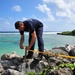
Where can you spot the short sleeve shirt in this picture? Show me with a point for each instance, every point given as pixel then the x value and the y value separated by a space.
pixel 31 25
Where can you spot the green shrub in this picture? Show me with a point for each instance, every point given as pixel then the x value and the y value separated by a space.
pixel 31 73
pixel 73 32
pixel 65 33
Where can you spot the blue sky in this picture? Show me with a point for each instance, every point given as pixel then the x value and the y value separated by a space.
pixel 56 15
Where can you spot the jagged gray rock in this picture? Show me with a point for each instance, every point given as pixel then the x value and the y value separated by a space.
pixel 12 64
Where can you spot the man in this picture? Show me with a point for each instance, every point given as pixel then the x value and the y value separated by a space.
pixel 35 29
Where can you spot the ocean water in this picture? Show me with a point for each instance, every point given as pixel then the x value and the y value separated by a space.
pixel 9 42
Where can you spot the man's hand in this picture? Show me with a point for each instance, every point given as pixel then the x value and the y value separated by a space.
pixel 27 47
pixel 22 47
pixel 32 40
pixel 21 41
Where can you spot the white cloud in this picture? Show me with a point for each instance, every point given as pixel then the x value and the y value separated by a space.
pixel 61 14
pixel 7 23
pixel 61 4
pixel 68 1
pixel 17 8
pixel 64 13
pixel 43 8
pixel 64 8
pixel 48 1
pixel 72 6
pixel 24 18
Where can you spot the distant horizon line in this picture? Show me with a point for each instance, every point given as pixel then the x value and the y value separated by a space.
pixel 18 31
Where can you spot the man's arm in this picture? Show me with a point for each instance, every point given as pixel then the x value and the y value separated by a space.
pixel 32 41
pixel 22 41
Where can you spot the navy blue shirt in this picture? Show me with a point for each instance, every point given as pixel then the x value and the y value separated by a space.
pixel 31 25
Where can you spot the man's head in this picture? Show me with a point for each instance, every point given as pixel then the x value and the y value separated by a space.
pixel 19 25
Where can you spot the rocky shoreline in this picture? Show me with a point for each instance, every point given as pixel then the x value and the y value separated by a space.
pixel 12 64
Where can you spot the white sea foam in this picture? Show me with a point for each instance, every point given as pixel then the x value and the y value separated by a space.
pixel 50 32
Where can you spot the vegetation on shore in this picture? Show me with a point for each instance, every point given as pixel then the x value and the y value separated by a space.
pixel 60 66
pixel 67 33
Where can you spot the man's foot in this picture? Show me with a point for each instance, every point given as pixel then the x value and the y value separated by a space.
pixel 38 58
pixel 28 57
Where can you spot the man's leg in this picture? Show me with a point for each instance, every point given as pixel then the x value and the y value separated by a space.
pixel 30 54
pixel 39 33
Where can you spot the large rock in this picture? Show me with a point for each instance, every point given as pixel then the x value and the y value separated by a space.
pixel 10 72
pixel 1 68
pixel 72 52
pixel 10 56
pixel 69 47
pixel 14 65
pixel 63 71
pixel 59 51
pixel 7 64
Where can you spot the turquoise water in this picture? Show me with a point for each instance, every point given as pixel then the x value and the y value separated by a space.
pixel 9 42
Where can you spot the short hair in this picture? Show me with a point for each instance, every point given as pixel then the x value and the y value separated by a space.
pixel 17 24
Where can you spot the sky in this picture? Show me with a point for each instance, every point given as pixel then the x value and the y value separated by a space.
pixel 56 15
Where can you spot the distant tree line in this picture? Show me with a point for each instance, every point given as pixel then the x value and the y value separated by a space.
pixel 67 33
